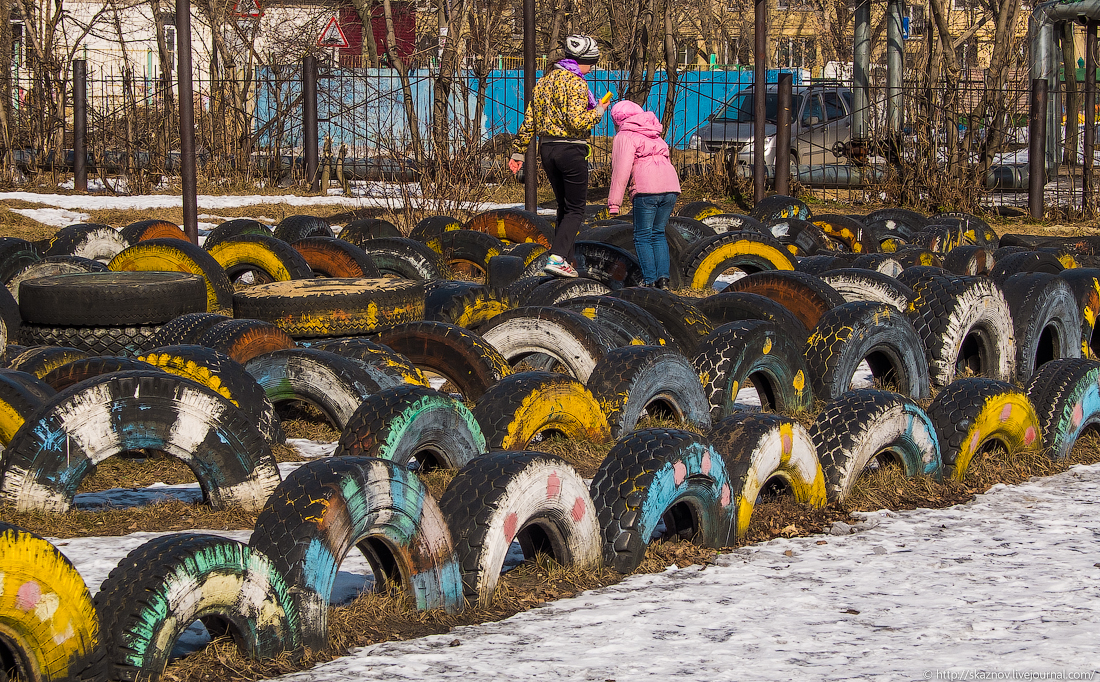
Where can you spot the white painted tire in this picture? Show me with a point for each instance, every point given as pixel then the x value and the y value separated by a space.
pixel 532 497
pixel 95 242
pixel 761 447
pixel 856 284
pixel 568 337
pixel 53 265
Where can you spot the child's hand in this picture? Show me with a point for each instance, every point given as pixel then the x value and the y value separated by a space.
pixel 514 165
pixel 612 210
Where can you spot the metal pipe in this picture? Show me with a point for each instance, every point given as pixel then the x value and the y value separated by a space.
pixel 782 182
pixel 861 67
pixel 309 121
pixel 1037 130
pixel 530 167
pixel 1090 116
pixel 760 89
pixel 188 174
pixel 895 67
pixel 80 125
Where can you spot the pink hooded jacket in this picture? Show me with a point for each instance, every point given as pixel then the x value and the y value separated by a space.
pixel 640 151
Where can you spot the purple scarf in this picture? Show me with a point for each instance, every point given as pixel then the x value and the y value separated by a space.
pixel 570 65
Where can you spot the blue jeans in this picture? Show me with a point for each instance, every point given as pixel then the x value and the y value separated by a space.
pixel 651 212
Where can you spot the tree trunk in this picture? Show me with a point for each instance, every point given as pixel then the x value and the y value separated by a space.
pixel 1069 68
pixel 671 75
pixel 394 56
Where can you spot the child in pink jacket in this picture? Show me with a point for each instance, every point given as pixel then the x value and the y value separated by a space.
pixel 640 152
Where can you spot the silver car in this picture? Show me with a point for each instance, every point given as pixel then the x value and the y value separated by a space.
pixel 821 125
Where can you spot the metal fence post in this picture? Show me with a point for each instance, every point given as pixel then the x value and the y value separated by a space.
pixel 530 169
pixel 309 120
pixel 188 174
pixel 1090 117
pixel 783 136
pixel 80 125
pixel 1037 132
pixel 760 88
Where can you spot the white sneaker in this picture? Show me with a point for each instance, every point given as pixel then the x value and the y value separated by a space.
pixel 559 267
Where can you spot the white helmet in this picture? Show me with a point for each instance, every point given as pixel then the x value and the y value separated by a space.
pixel 582 48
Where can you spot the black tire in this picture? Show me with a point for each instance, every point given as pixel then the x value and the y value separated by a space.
pixel 847 233
pixel 330 257
pixel 869 427
pixel 636 379
pixel 865 331
pixel 111 299
pixel 1025 261
pixel 698 210
pixel 21 397
pixel 503 271
pixel 60 378
pixel 688 229
pixel 628 324
pixel 185 329
pixel 224 375
pixel 868 285
pixel 514 225
pixel 733 222
pixel 749 252
pixel 966 327
pixel 737 306
pixel 87 240
pixel 465 304
pixel 407 258
pixel 622 236
pixel 536 499
pixel 386 367
pixel 245 339
pixel 51 632
pixel 756 351
pixel 467 360
pixel 433 226
pixel 614 267
pixel 332 383
pixel 899 222
pixel 326 508
pixel 1066 397
pixel 767 453
pixel 780 206
pixel 234 228
pixel 309 308
pixel 1045 319
pixel 45 462
pixel 917 256
pixel 15 255
pixel 522 287
pixel 661 475
pixel 160 588
pixel 294 227
pixel 1085 283
pixel 11 321
pixel 971 413
pixel 806 296
pixel 969 259
pixel 524 405
pixel 466 247
pixel 145 230
pixel 268 258
pixel 125 341
pixel 821 263
pixel 878 262
pixel 686 324
pixel 570 338
pixel 972 229
pixel 53 265
pixel 174 255
pixel 415 427
pixel 39 361
pixel 357 232
pixel 801 237
pixel 558 289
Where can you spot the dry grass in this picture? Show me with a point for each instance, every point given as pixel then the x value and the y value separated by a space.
pixel 156 518
pixel 137 472
pixel 437 480
pixel 585 456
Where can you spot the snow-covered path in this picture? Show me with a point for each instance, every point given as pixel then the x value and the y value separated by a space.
pixel 1008 582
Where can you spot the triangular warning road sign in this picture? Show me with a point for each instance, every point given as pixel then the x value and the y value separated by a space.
pixel 333 35
pixel 247 8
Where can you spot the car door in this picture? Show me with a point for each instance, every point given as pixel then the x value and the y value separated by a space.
pixel 811 135
pixel 838 129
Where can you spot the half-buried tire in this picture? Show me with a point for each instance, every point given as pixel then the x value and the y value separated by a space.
pixel 1066 396
pixel 460 356
pixel 525 405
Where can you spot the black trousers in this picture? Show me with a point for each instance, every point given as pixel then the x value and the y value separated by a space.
pixel 567 168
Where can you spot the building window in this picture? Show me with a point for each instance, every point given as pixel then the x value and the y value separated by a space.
pixel 916 20
pixel 795 53
pixel 793 5
pixel 967 54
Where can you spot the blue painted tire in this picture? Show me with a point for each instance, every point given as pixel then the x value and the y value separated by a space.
pixel 865 425
pixel 656 475
pixel 326 508
pixel 1066 396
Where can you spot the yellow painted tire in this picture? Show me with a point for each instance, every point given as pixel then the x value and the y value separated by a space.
pixel 271 259
pixel 175 255
pixel 697 210
pixel 749 251
pixel 521 406
pixel 762 450
pixel 47 619
pixel 514 225
pixel 20 397
pixel 41 360
pixel 972 413
pixel 307 308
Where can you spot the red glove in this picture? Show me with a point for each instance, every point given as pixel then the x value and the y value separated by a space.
pixel 514 166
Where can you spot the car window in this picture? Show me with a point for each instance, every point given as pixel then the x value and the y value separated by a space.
pixel 813 113
pixel 833 109
pixel 740 108
pixel 847 99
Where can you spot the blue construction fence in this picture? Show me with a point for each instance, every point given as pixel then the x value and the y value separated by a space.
pixel 365 110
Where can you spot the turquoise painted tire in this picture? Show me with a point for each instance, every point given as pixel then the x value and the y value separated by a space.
pixel 1066 396
pixel 326 508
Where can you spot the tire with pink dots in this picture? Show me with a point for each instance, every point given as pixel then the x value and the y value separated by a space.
pixel 661 483
pixel 1066 396
pixel 533 498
